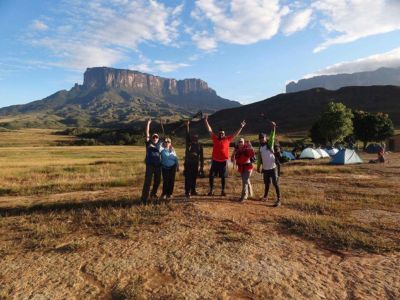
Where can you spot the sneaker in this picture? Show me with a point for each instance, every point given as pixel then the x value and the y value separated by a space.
pixel 242 199
pixel 187 196
pixel 277 203
pixel 163 197
pixel 210 193
pixel 223 194
pixel 194 193
pixel 264 198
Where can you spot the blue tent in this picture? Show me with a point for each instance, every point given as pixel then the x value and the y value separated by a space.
pixel 345 157
pixel 288 155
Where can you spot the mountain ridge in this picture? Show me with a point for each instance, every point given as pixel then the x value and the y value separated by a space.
pixel 381 76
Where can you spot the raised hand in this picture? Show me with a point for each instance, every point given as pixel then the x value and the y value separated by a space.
pixel 243 124
pixel 273 124
pixel 205 117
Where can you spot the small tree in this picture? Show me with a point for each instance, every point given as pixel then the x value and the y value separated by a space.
pixel 384 127
pixel 317 136
pixel 369 127
pixel 334 124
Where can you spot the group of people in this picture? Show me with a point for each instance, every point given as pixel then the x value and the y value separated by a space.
pixel 161 160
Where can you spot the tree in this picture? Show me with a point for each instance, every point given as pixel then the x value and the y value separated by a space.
pixel 334 124
pixel 369 127
pixel 316 134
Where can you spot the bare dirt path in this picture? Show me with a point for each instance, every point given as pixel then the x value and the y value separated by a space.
pixel 208 248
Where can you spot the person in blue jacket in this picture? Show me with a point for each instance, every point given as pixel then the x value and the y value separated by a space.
pixel 153 165
pixel 169 167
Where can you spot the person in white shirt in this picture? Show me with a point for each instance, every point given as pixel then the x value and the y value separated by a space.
pixel 266 160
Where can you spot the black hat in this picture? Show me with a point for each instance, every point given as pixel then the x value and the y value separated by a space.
pixel 262 135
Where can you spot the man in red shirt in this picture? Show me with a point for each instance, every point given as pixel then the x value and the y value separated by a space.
pixel 220 155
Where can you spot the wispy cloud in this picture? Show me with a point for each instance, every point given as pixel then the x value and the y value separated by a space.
pixel 297 21
pixel 162 66
pixel 349 20
pixel 39 25
pixel 370 63
pixel 102 33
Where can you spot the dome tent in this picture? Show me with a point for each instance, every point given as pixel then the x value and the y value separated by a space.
pixel 332 151
pixel 288 155
pixel 346 157
pixel 373 148
pixel 322 152
pixel 310 153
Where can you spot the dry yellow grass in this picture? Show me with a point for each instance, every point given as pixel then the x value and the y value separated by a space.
pixel 70 227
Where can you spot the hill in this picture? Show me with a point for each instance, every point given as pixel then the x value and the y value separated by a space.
pixel 113 96
pixel 381 76
pixel 296 112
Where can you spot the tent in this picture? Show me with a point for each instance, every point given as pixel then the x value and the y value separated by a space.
pixel 288 155
pixel 373 148
pixel 332 151
pixel 310 153
pixel 322 152
pixel 345 157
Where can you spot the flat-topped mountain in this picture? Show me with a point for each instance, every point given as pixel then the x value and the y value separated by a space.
pixel 382 76
pixel 110 96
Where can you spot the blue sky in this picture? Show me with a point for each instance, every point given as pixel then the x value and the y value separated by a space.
pixel 245 50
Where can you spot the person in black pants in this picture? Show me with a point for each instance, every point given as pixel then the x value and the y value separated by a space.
pixel 194 158
pixel 153 165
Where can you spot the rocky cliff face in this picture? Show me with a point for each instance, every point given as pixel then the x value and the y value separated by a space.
pixel 103 77
pixel 382 76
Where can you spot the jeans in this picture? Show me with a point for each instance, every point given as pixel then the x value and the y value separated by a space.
pixel 247 189
pixel 151 171
pixel 271 175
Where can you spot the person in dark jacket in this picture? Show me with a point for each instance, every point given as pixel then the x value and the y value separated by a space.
pixel 194 158
pixel 153 165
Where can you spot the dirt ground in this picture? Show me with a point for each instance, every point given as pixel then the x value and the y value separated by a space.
pixel 209 247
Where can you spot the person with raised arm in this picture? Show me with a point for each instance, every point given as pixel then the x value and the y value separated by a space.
pixel 153 165
pixel 220 155
pixel 266 159
pixel 194 158
pixel 243 157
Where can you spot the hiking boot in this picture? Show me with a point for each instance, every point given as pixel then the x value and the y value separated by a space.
pixel 163 197
pixel 277 203
pixel 210 193
pixel 242 199
pixel 223 194
pixel 264 198
pixel 194 193
pixel 187 196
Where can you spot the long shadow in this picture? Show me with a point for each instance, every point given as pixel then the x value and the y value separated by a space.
pixel 66 206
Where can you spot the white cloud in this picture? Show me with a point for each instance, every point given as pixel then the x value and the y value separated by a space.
pixel 297 21
pixel 162 66
pixel 350 20
pixel 103 33
pixel 238 21
pixel 388 59
pixel 39 25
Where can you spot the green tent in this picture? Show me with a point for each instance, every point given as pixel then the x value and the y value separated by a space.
pixel 345 157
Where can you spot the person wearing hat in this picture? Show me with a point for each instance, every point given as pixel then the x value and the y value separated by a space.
pixel 266 159
pixel 153 165
pixel 220 155
pixel 169 167
pixel 194 158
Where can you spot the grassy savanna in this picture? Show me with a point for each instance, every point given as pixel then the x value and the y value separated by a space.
pixel 70 227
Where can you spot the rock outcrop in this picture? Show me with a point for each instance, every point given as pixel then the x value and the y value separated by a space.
pixel 102 77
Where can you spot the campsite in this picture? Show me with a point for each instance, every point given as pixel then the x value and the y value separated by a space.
pixel 71 227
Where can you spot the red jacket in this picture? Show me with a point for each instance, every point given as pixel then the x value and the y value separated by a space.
pixel 242 158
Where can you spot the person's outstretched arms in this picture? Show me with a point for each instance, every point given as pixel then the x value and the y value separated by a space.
pixel 271 139
pixel 187 133
pixel 240 129
pixel 148 130
pixel 207 124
